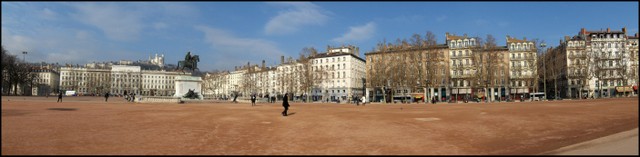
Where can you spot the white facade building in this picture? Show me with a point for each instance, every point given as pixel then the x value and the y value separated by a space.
pixel 345 74
pixel 47 82
pixel 343 66
pixel 116 79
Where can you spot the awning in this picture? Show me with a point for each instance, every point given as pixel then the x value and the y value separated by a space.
pixel 621 89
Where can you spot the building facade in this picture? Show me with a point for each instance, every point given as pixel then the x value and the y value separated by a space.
pixel 47 82
pixel 334 75
pixel 522 67
pixel 117 80
pixel 341 74
pixel 593 64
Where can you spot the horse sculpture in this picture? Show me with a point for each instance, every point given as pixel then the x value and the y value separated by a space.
pixel 189 61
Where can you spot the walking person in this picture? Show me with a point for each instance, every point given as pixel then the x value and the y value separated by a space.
pixel 106 97
pixel 235 97
pixel 133 97
pixel 364 100
pixel 60 97
pixel 126 95
pixel 285 104
pixel 253 100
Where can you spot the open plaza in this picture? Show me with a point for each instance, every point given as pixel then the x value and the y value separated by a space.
pixel 84 125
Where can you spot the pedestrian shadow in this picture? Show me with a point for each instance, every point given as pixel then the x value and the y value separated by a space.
pixel 292 113
pixel 62 109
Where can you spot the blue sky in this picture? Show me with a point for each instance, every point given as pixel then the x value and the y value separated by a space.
pixel 228 34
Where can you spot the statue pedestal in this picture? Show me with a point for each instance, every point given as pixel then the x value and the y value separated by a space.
pixel 186 83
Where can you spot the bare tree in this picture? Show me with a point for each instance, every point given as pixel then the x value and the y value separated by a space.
pixel 8 77
pixel 632 72
pixel 554 66
pixel 432 63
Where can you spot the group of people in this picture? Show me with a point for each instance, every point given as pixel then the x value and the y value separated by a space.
pixel 130 97
pixel 363 100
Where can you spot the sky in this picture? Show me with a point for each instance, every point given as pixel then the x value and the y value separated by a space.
pixel 228 34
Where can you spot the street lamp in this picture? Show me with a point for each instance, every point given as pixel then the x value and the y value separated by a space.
pixel 24 53
pixel 544 80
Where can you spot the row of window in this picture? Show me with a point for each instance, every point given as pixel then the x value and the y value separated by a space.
pixel 332 91
pixel 326 60
pixel 521 47
pixel 461 43
pixel 607 45
pixel 465 83
pixel 594 36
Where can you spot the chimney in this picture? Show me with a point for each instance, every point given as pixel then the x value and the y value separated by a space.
pixel 624 30
pixel 262 64
pixel 525 38
pixel 281 59
pixel 608 29
pixel 583 31
pixel 566 38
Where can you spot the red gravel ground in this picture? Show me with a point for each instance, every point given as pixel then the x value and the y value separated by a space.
pixel 88 125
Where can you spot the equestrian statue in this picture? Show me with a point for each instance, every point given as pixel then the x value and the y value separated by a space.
pixel 189 61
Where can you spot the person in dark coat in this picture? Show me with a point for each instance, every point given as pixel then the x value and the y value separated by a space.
pixel 106 96
pixel 60 97
pixel 253 100
pixel 235 97
pixel 285 104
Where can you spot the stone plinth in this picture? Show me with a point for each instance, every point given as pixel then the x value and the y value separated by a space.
pixel 186 83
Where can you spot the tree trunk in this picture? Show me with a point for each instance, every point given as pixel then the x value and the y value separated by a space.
pixel 15 89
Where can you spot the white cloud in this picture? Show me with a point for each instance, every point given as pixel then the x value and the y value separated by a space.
pixel 232 50
pixel 358 33
pixel 52 45
pixel 116 22
pixel 48 14
pixel 297 15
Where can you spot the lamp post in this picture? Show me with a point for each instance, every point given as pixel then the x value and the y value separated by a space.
pixel 544 80
pixel 24 53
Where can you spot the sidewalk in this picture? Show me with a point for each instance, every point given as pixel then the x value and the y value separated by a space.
pixel 623 143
